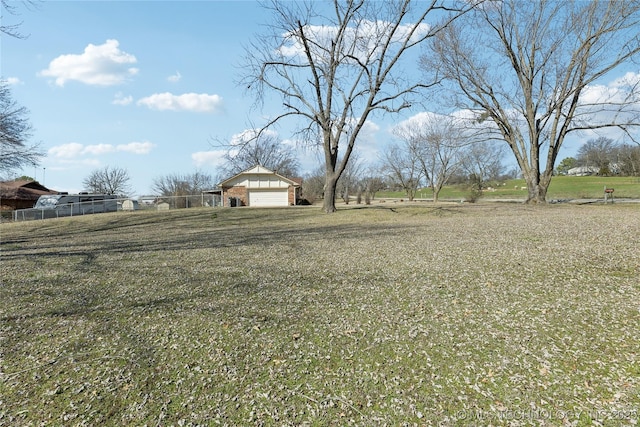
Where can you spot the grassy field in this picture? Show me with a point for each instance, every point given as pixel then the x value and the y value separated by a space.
pixel 486 314
pixel 562 187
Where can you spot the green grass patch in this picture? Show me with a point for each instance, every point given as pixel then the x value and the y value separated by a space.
pixel 448 315
pixel 562 187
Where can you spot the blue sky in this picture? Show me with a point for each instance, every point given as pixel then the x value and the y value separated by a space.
pixel 145 86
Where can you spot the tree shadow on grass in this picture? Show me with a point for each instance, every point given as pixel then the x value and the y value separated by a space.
pixel 88 247
pixel 83 286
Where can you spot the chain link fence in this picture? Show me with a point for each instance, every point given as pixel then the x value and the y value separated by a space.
pixel 95 206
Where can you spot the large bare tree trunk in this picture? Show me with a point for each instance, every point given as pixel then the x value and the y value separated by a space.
pixel 329 201
pixel 334 66
pixel 537 186
pixel 532 69
pixel 436 194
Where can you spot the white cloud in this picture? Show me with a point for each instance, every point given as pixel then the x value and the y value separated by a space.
pixel 249 134
pixel 369 130
pixel 465 118
pixel 98 149
pixel 595 94
pixel 13 81
pixel 208 158
pixel 196 102
pixel 423 118
pixel 630 79
pixel 368 148
pixel 66 151
pixel 120 99
pixel 175 78
pixel 617 101
pixel 622 89
pixel 101 65
pixel 136 147
pixel 466 115
pixel 75 150
pixel 364 39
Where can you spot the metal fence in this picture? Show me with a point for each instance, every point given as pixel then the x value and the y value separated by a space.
pixel 121 204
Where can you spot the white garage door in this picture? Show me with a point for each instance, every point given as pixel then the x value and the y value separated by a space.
pixel 268 198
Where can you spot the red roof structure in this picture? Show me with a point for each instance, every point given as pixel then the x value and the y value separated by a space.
pixel 21 194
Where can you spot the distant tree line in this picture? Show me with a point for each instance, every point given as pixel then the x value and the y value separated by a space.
pixel 603 156
pixel 524 70
pixel 414 164
pixel 524 73
pixel 183 184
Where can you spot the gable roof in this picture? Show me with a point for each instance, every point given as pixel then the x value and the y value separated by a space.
pixel 20 194
pixel 23 189
pixel 259 170
pixel 23 183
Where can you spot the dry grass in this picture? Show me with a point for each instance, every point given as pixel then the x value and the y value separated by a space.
pixel 449 315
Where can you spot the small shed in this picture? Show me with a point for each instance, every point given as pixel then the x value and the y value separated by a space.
pixel 22 194
pixel 259 186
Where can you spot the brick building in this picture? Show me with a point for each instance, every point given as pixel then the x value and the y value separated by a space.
pixel 260 186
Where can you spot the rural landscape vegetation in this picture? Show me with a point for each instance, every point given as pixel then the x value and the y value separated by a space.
pixel 497 302
pixel 455 314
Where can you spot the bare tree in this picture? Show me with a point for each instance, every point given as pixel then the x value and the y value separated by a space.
pixel 11 8
pixel 335 66
pixel 15 129
pixel 349 181
pixel 483 161
pixel 372 183
pixel 182 185
pixel 401 165
pixel 628 159
pixel 435 143
pixel 313 185
pixel 598 153
pixel 532 68
pixel 265 149
pixel 15 132
pixel 108 181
